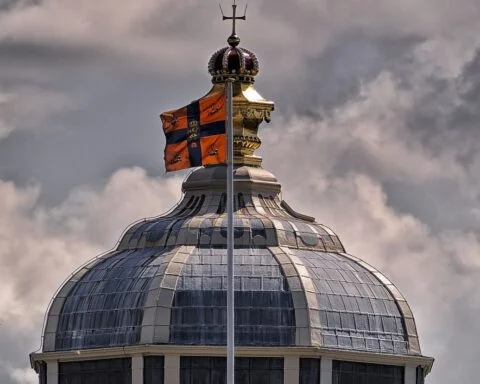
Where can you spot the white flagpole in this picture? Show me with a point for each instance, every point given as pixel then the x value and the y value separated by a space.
pixel 230 240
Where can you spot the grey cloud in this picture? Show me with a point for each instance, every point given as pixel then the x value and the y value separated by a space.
pixel 16 343
pixel 469 81
pixel 6 5
pixel 27 107
pixel 147 30
pixel 466 116
pixel 441 213
pixel 339 71
pixel 352 60
pixel 38 53
pixel 118 127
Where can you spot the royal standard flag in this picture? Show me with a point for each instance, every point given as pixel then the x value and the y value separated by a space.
pixel 196 134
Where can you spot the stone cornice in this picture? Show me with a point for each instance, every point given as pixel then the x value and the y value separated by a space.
pixel 203 350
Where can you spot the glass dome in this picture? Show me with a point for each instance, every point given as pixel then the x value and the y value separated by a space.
pixel 294 283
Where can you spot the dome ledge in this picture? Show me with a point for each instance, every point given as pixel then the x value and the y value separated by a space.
pixel 245 178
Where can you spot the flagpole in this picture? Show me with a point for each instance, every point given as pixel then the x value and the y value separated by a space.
pixel 230 240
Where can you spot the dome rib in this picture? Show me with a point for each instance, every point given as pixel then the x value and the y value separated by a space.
pixel 158 304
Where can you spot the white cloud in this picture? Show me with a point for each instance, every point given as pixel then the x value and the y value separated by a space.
pixel 19 375
pixel 101 215
pixel 23 376
pixel 366 134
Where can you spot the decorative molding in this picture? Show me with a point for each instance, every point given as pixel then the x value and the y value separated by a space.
pixel 205 350
pixel 258 113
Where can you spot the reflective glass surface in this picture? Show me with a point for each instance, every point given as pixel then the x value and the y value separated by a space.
pixel 360 373
pixel 153 369
pixel 264 313
pixel 109 371
pixel 309 371
pixel 248 370
pixel 355 310
pixel 105 308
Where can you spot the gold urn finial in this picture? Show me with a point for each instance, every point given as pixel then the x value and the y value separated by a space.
pixel 249 108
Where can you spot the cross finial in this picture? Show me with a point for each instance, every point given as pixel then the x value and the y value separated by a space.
pixel 234 40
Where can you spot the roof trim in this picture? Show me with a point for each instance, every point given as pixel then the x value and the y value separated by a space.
pixel 158 304
pixel 206 350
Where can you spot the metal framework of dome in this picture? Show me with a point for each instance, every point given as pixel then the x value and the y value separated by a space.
pixel 166 281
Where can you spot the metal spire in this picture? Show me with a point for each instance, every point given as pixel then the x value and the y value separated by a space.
pixel 234 40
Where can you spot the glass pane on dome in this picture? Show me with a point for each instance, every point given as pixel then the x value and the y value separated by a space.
pixel 355 310
pixel 105 308
pixel 264 313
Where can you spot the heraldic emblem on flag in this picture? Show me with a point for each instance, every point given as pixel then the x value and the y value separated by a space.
pixel 196 134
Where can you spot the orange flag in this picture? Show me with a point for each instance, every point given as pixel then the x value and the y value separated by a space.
pixel 196 134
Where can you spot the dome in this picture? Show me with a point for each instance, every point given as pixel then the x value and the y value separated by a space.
pixel 295 285
pixel 154 309
pixel 233 61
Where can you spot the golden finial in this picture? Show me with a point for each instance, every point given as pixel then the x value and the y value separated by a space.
pixel 234 40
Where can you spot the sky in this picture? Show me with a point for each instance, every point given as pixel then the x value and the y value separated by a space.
pixel 375 133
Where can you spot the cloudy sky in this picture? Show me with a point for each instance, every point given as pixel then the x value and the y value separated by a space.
pixel 376 103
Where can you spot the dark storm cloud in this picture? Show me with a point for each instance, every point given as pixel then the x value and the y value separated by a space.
pixel 6 5
pixel 349 61
pixel 445 111
pixel 15 344
pixel 120 129
pixel 466 116
pixel 469 81
pixel 38 53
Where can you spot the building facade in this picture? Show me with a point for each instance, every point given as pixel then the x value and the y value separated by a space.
pixel 153 310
